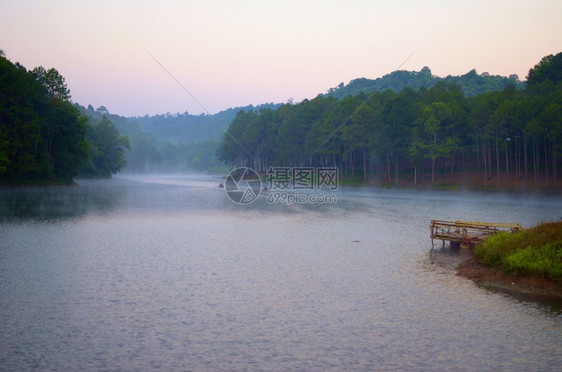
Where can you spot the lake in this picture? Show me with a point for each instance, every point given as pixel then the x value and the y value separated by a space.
pixel 167 273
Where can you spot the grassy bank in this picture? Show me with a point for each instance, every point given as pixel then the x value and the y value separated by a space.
pixel 533 252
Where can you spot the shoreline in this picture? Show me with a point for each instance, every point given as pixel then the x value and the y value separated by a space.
pixel 454 187
pixel 469 180
pixel 539 289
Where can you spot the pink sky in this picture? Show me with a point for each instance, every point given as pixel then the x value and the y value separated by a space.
pixel 235 53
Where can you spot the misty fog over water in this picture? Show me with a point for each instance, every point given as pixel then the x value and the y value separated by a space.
pixel 165 272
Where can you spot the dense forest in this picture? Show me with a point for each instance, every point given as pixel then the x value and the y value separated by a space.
pixel 403 128
pixel 43 136
pixel 429 135
pixel 182 141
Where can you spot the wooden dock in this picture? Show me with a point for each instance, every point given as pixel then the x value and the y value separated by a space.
pixel 467 233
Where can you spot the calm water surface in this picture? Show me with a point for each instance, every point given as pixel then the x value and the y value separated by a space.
pixel 165 273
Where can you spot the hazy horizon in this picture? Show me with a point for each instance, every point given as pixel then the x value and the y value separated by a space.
pixel 231 54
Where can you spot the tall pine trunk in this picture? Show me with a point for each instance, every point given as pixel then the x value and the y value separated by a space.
pixel 525 155
pixel 497 163
pixel 396 169
pixel 506 167
pixel 554 159
pixel 364 165
pixel 388 166
pixel 545 163
pixel 484 161
pixel 535 162
pixel 452 164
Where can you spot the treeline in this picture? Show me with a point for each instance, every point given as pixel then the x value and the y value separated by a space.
pixel 172 142
pixel 189 128
pixel 43 137
pixel 428 135
pixel 162 144
pixel 470 83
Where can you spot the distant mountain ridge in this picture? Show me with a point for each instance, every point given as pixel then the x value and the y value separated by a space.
pixel 182 140
pixel 178 127
pixel 471 83
pixel 171 142
pixel 185 127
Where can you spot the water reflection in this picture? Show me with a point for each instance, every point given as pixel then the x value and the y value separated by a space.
pixel 59 202
pixel 167 273
pixel 445 260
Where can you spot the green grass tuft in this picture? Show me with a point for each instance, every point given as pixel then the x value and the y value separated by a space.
pixel 536 251
pixel 541 261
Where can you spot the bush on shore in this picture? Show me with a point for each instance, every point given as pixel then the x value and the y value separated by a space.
pixel 534 252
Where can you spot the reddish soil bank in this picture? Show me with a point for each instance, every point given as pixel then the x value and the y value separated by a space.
pixel 472 180
pixel 489 276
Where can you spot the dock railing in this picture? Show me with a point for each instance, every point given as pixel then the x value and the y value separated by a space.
pixel 467 232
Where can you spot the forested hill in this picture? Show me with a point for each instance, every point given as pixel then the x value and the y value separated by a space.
pixel 175 128
pixel 436 136
pixel 181 141
pixel 470 83
pixel 43 137
pixel 172 142
pixel 187 128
